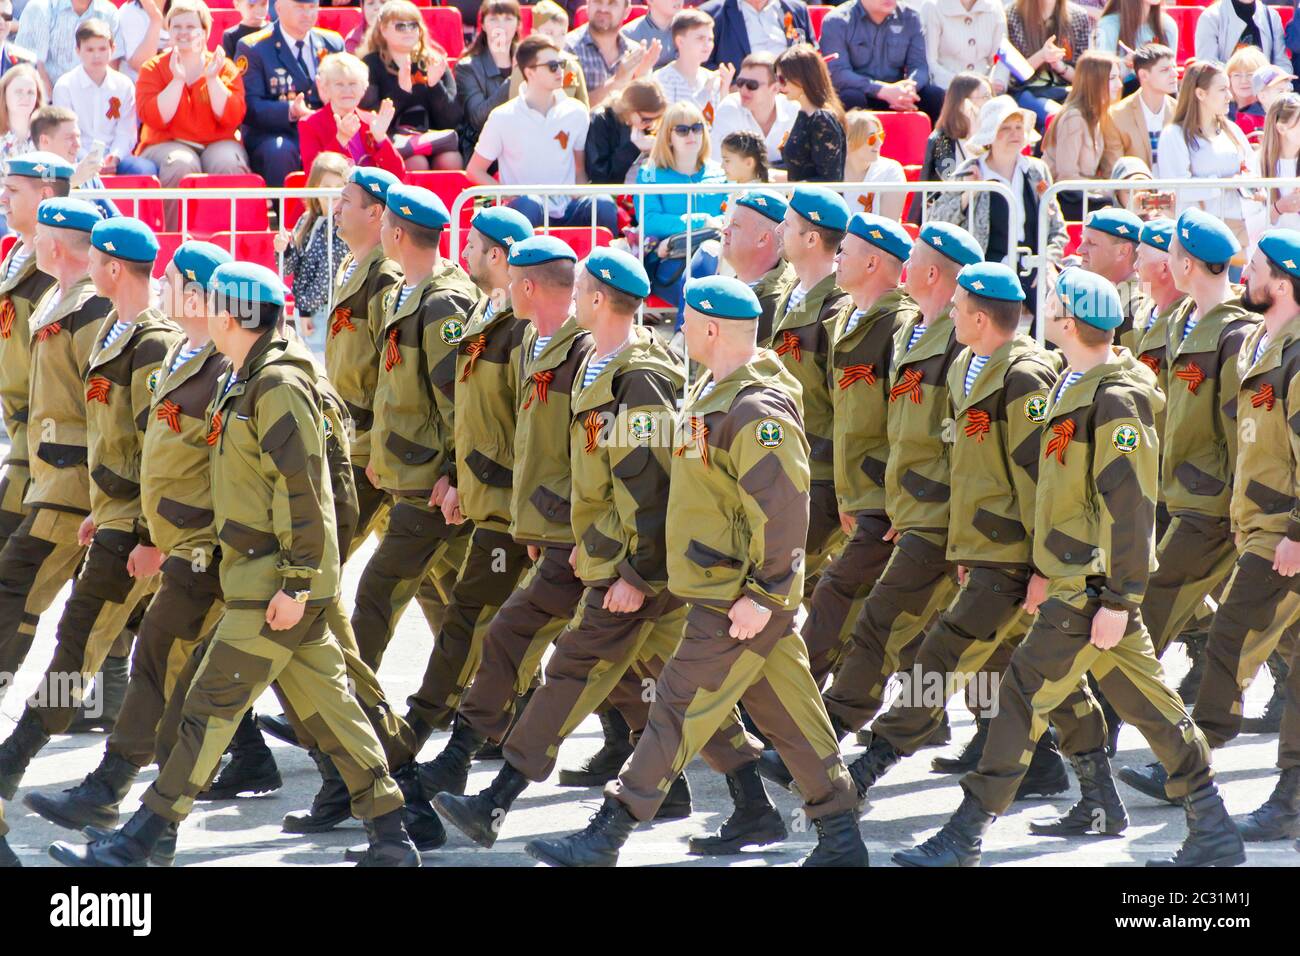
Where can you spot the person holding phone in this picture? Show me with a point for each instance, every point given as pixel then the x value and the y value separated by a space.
pixel 623 132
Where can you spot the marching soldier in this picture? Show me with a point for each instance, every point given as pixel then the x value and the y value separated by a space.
pixel 1109 247
pixel 273 507
pixel 744 459
pixel 1151 337
pixel 1094 516
pixel 751 245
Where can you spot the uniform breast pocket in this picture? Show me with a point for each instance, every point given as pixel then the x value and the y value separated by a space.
pixel 488 471
pixel 409 452
pixel 551 505
pixel 707 557
pixel 183 515
pixel 896 45
pixel 247 541
pixel 61 456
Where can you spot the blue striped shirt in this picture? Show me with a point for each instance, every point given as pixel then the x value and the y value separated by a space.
pixel 1191 324
pixel 1070 379
pixel 1260 347
pixel 16 262
pixel 402 295
pixel 595 367
pixel 977 363
pixel 183 356
pixel 115 332
pixel 540 345
pixel 917 332
pixel 853 321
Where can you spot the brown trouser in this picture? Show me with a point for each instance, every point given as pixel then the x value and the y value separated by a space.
pixel 39 558
pixel 1195 554
pixel 1049 666
pixel 825 535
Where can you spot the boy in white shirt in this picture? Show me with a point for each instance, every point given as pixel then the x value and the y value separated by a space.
pixel 686 78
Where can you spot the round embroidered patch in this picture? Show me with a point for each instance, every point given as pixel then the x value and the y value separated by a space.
pixel 241 64
pixel 453 330
pixel 1036 409
pixel 769 433
pixel 642 426
pixel 152 381
pixel 1126 439
pixel 329 427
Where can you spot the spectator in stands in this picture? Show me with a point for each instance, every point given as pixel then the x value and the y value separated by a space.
pixel 744 157
pixel 253 19
pixel 1245 109
pixel 756 106
pixel 814 150
pixel 279 76
pixel 656 24
pixel 54 130
pixel 309 255
pixel 876 50
pixel 686 80
pixel 551 20
pixel 1126 25
pixel 1051 35
pixel 864 136
pixel 21 95
pixel 1270 83
pixel 369 15
pixel 538 138
pixel 1144 203
pixel 11 54
pixel 48 27
pixel 1277 158
pixel 139 35
pixel 1138 120
pixel 609 60
pixel 949 145
pixel 742 27
pixel 483 72
pixel 104 101
pixel 1080 141
pixel 1001 134
pixel 622 132
pixel 1202 143
pixel 555 24
pixel 961 35
pixel 410 68
pixel 341 127
pixel 1227 25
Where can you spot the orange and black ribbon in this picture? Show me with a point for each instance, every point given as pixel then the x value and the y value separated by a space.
pixel 342 320
pixel 1150 361
pixel 170 412
pixel 1062 432
pixel 594 424
pixel 51 330
pixel 700 436
pixel 858 373
pixel 1264 397
pixel 1191 374
pixel 790 344
pixel 392 354
pixel 214 432
pixel 473 349
pixel 7 316
pixel 541 380
pixel 910 384
pixel 114 108
pixel 98 391
pixel 978 424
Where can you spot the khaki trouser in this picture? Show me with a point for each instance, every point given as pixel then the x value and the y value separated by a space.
pixel 39 558
pixel 1195 555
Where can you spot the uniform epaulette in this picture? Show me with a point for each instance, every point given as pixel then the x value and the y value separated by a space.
pixel 255 38
pixel 329 33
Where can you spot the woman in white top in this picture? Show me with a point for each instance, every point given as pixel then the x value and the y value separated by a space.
pixel 863 163
pixel 961 35
pixel 1278 154
pixel 1201 143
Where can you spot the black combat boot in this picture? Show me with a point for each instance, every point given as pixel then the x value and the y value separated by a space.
pixel 1099 810
pixel 105 701
pixel 872 764
pixel 492 749
pixel 969 756
pixel 1212 838
pixel 1149 780
pixel 16 753
pixel 331 805
pixel 1194 644
pixel 1046 775
pixel 251 769
pixel 130 846
pixel 838 842
pixel 449 771
pixel 421 729
pixel 389 843
pixel 278 726
pixel 92 803
pixel 1279 817
pixel 8 858
pixel 597 845
pixel 1270 722
pixel 422 824
pixel 754 821
pixel 677 802
pixel 958 843
pixel 604 765
pixel 1113 725
pixel 480 817
pixel 163 853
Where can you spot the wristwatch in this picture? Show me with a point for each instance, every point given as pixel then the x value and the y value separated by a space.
pixel 299 596
pixel 760 608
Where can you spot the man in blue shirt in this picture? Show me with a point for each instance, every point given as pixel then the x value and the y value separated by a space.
pixel 875 52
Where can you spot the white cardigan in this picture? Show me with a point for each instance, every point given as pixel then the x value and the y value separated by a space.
pixel 958 39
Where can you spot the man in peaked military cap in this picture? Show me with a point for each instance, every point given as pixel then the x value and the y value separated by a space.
pixel 1095 514
pixel 743 454
pixel 751 245
pixel 1109 248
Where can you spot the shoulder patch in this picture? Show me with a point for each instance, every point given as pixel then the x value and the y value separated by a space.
pixel 642 426
pixel 1126 439
pixel 152 381
pixel 452 331
pixel 329 428
pixel 241 64
pixel 1036 409
pixel 769 433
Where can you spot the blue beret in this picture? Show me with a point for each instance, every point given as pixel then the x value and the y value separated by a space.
pixel 502 224
pixel 991 280
pixel 619 269
pixel 1206 238
pixel 418 205
pixel 766 202
pixel 40 165
pixel 196 261
pixel 247 283
pixel 125 238
pixel 1157 233
pixel 1116 222
pixel 68 213
pixel 822 207
pixel 538 249
pixel 1090 298
pixel 1282 248
pixel 953 241
pixel 723 297
pixel 375 181
pixel 885 234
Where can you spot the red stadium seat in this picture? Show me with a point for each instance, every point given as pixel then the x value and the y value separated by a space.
pixel 634 11
pixel 208 216
pixel 1074 232
pixel 167 243
pixel 447 184
pixel 913 172
pixel 293 208
pixel 445 26
pixel 1285 14
pixel 149 210
pixel 222 20
pixel 1185 18
pixel 255 247
pixel 7 243
pixel 817 15
pixel 579 238
pixel 905 136
pixel 342 20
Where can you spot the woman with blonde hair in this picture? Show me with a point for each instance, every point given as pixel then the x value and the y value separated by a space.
pixel 1278 159
pixel 410 68
pixel 1076 143
pixel 21 95
pixel 814 149
pixel 865 137
pixel 1245 109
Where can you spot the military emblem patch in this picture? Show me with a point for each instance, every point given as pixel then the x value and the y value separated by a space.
pixel 769 433
pixel 642 426
pixel 1036 409
pixel 241 64
pixel 453 330
pixel 152 381
pixel 1126 439
pixel 329 427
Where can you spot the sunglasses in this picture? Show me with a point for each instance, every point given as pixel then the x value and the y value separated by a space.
pixel 7 17
pixel 693 129
pixel 555 66
pixel 875 139
pixel 745 83
pixel 406 26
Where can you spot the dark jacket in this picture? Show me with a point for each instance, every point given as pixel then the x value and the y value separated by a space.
pixel 610 152
pixel 427 106
pixel 731 41
pixel 481 88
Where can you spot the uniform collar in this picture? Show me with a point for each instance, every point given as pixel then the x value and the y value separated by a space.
pixel 807 311
pixel 24 271
pixel 172 381
pixel 103 354
pixel 893 301
pixel 1121 364
pixel 773 277
pixel 359 274
pixel 642 350
pixel 765 368
pixel 69 302
pixel 991 376
pixel 1209 327
pixel 557 349
pixel 937 336
pixel 445 268
pixel 479 322
pixel 1272 356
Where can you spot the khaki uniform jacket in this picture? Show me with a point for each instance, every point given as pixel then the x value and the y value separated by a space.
pixel 63 339
pixel 412 443
pixel 1137 304
pixel 1199 453
pixel 917 474
pixel 1268 423
pixel 176 467
pixel 271 492
pixel 620 446
pixel 120 383
pixel 17 298
pixel 995 453
pixel 1152 350
pixel 487 405
pixel 352 340
pixel 1097 472
pixel 801 337
pixel 541 513
pixel 770 290
pixel 738 500
pixel 859 386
